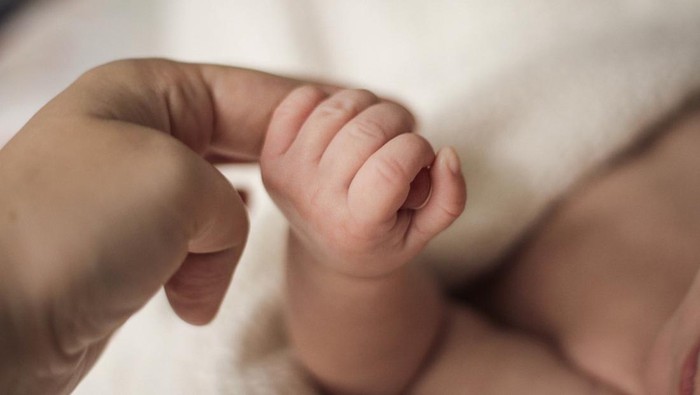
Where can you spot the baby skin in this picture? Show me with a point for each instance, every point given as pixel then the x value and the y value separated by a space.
pixel 363 196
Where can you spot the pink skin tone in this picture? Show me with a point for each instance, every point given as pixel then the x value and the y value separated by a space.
pixel 341 169
pixel 353 148
pixel 362 320
pixel 611 276
pixel 674 357
pixel 678 343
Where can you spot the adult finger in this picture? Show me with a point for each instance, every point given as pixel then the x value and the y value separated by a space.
pixel 219 111
pixel 219 225
pixel 112 203
pixel 216 111
pixel 196 290
pixel 199 211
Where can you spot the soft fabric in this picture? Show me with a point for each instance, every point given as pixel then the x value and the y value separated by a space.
pixel 534 95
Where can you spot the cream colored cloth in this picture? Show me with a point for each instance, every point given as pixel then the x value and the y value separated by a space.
pixel 534 95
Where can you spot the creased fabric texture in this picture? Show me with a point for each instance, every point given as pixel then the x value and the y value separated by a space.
pixel 534 95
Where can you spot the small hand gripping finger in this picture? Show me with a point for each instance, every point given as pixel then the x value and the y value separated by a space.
pixel 446 202
pixel 327 119
pixel 277 163
pixel 382 184
pixel 362 137
pixel 288 118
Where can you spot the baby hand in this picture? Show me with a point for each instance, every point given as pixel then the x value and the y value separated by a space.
pixel 341 166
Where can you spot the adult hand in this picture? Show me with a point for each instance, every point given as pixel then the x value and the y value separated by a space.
pixel 105 197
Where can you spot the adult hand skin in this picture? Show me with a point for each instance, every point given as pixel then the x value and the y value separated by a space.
pixel 105 197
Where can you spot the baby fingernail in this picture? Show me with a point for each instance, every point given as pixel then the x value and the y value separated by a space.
pixel 451 160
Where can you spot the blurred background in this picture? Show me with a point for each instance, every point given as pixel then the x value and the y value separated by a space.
pixel 46 44
pixel 423 52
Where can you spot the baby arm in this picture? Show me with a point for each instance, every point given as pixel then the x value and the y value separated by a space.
pixel 340 168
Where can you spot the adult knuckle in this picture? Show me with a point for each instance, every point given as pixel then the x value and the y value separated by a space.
pixel 108 68
pixel 177 170
pixel 144 71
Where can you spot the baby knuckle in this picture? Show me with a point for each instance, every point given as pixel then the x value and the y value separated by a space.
pixel 269 179
pixel 452 209
pixel 354 235
pixel 278 173
pixel 365 95
pixel 284 110
pixel 422 232
pixel 415 145
pixel 276 178
pixel 361 97
pixel 337 108
pixel 345 104
pixel 390 171
pixel 265 166
pixel 368 129
pixel 307 93
pixel 405 117
pixel 421 143
pixel 299 98
pixel 317 200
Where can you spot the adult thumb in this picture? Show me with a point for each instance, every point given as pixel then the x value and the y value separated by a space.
pixel 195 291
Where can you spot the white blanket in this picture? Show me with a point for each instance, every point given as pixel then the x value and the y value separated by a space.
pixel 533 94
